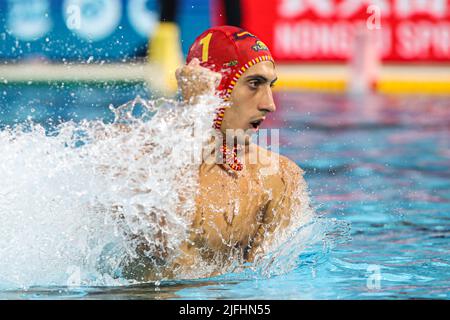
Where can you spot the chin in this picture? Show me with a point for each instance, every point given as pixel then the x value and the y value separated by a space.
pixel 241 136
pixel 247 140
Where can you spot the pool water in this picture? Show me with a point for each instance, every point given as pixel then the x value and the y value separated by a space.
pixel 380 163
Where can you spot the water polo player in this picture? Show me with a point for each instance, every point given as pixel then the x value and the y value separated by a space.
pixel 239 209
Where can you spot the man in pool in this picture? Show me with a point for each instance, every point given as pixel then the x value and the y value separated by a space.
pixel 242 204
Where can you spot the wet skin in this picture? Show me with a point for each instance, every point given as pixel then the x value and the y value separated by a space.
pixel 237 212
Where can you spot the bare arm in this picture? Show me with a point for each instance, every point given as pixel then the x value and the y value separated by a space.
pixel 280 209
pixel 193 81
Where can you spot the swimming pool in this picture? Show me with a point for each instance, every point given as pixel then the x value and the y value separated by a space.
pixel 380 163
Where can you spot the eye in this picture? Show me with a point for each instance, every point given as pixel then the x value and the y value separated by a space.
pixel 254 84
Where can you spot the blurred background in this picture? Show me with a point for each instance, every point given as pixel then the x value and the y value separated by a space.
pixel 363 106
pixel 71 58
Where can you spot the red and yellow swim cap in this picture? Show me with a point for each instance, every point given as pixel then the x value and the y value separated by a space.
pixel 230 51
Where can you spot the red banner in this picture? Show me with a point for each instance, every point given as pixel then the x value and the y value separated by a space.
pixel 324 30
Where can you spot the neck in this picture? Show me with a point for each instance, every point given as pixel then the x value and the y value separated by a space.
pixel 223 153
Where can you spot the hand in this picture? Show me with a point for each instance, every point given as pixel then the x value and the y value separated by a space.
pixel 195 81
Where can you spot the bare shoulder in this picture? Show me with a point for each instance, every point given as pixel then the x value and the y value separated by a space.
pixel 290 168
pixel 279 165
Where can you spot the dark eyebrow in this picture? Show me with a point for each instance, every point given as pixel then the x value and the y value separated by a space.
pixel 260 78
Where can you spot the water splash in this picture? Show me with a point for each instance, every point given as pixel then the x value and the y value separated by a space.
pixel 79 202
pixel 77 197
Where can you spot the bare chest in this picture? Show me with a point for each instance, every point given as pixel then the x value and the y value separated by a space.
pixel 229 210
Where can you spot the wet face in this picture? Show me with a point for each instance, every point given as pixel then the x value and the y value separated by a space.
pixel 251 100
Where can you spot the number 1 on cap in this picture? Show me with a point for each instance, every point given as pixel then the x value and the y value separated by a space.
pixel 205 43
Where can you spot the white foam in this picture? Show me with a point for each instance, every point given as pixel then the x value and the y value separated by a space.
pixel 56 199
pixel 58 191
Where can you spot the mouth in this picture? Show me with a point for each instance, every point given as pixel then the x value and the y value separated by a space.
pixel 255 124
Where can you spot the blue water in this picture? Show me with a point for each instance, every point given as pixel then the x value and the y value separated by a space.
pixel 380 163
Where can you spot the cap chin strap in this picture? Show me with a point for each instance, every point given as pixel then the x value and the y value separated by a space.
pixel 229 155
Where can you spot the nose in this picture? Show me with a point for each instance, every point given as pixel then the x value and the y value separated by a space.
pixel 267 104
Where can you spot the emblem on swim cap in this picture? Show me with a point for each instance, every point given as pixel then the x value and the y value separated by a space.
pixel 242 35
pixel 232 63
pixel 259 46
